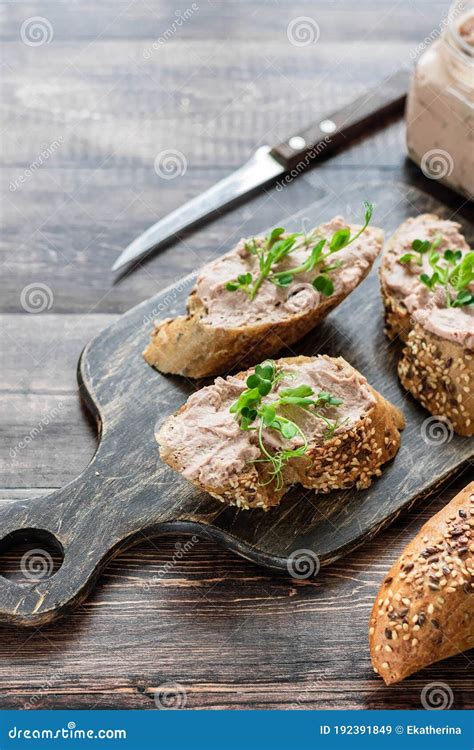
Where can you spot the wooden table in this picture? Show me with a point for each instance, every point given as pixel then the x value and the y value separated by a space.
pixel 85 114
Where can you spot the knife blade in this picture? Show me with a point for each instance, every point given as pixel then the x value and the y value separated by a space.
pixel 267 163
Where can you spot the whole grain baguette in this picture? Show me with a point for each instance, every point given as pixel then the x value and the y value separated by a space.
pixel 437 365
pixel 188 345
pixel 398 317
pixel 440 375
pixel 424 611
pixel 352 457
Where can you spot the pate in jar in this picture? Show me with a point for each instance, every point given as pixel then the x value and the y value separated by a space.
pixel 440 105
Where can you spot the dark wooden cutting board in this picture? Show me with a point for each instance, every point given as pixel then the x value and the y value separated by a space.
pixel 126 493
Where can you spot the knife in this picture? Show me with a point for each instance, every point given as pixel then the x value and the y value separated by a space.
pixel 267 163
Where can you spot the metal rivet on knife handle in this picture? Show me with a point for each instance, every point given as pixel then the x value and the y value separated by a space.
pixel 297 142
pixel 328 126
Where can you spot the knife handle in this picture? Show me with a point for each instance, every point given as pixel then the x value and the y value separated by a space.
pixel 344 125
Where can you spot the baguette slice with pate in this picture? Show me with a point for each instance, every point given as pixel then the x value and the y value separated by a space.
pixel 205 442
pixel 437 365
pixel 424 610
pixel 402 291
pixel 224 329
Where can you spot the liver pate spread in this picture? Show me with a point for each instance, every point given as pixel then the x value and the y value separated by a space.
pixel 274 304
pixel 210 446
pixel 402 280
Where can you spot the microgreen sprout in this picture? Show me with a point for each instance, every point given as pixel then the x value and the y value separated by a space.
pixel 450 270
pixel 420 248
pixel 253 414
pixel 277 246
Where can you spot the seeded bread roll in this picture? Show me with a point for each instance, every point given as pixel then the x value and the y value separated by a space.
pixel 424 610
pixel 224 329
pixel 204 442
pixel 437 364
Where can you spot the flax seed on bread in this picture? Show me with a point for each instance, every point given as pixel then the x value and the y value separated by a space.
pixel 424 611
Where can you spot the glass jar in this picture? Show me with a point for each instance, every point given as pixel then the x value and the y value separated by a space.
pixel 440 105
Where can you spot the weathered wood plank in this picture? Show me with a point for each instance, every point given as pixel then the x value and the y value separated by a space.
pixel 122 117
pixel 39 353
pixel 46 439
pixel 115 111
pixel 240 19
pixel 252 639
pixel 46 435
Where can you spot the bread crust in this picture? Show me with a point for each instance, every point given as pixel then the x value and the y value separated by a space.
pixel 440 375
pixel 348 459
pixel 187 346
pixel 398 321
pixel 424 611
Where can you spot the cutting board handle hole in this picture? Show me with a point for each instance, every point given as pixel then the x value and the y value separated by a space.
pixel 30 556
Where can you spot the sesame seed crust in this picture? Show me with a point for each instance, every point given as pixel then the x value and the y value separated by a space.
pixel 440 375
pixel 352 458
pixel 427 597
